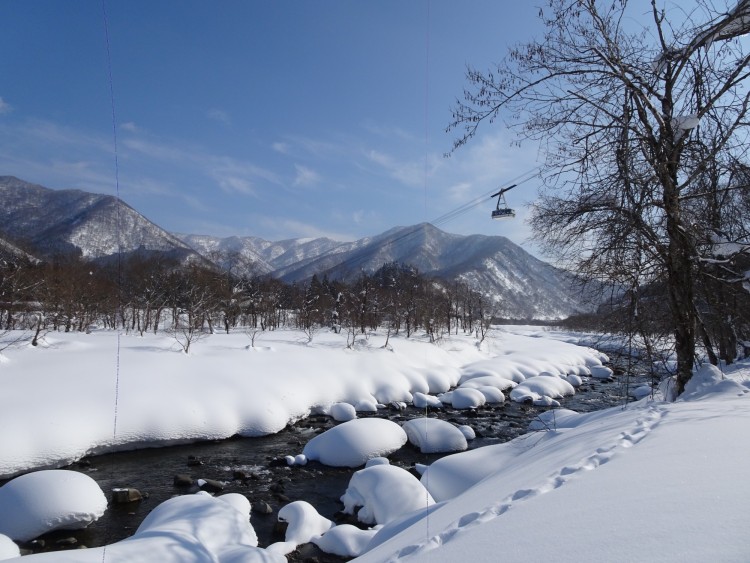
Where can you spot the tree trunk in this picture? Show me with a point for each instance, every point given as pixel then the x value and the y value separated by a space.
pixel 680 287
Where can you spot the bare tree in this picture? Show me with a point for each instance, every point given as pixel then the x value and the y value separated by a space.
pixel 616 109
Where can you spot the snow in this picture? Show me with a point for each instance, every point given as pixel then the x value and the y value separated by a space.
pixel 345 540
pixel 384 493
pixel 303 525
pixel 218 390
pixel 352 443
pixel 542 390
pixel 422 400
pixel 195 528
pixel 464 398
pixel 341 412
pixel 488 381
pixel 8 549
pixel 432 435
pixel 43 501
pixel 655 480
pixel 492 395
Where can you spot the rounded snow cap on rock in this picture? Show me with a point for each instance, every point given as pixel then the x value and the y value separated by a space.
pixel 342 412
pixel 43 501
pixel 432 435
pixel 467 398
pixel 352 443
pixel 8 549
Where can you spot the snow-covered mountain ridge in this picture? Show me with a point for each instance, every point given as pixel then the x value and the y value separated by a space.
pixel 522 285
pixel 72 221
pixel 51 222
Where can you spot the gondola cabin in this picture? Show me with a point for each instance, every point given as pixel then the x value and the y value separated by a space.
pixel 505 213
pixel 502 211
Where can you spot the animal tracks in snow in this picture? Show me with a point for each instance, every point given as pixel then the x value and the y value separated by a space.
pixel 602 455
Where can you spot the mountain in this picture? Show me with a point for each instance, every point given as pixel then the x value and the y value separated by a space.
pixel 49 222
pixel 522 285
pixel 72 221
pixel 253 255
pixel 9 252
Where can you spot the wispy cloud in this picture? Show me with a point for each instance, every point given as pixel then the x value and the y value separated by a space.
pixel 155 150
pixel 310 147
pixel 460 192
pixel 219 115
pixel 5 107
pixel 411 173
pixel 282 227
pixel 232 175
pixel 305 176
pixel 389 132
pixel 129 126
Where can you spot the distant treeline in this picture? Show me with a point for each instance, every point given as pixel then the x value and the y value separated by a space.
pixel 139 294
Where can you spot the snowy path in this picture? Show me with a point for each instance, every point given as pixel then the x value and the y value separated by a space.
pixel 656 482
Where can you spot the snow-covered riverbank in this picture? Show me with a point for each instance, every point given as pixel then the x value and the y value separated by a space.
pixel 656 481
pixel 61 397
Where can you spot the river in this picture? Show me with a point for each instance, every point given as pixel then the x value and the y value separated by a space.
pixel 255 467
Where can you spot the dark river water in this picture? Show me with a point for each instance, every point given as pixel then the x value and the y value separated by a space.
pixel 255 467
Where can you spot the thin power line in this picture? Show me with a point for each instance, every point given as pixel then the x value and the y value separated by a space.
pixel 427 108
pixel 118 208
pixel 437 222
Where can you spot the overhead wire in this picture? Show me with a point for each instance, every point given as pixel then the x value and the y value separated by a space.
pixel 118 204
pixel 348 264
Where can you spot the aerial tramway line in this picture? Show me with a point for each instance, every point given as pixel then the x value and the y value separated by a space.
pixel 502 211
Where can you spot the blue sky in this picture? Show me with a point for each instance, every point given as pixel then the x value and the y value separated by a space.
pixel 276 119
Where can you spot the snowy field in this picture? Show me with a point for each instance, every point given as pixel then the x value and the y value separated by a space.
pixel 656 481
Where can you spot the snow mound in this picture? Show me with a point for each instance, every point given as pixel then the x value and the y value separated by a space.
pixel 492 395
pixel 432 435
pixel 352 443
pixel 374 490
pixel 574 379
pixel 601 372
pixel 710 380
pixel 189 528
pixel 366 405
pixel 343 412
pixel 468 432
pixel 464 398
pixel 344 540
pixel 212 522
pixel 489 381
pixel 303 525
pixel 422 400
pixel 542 390
pixel 8 549
pixel 40 502
pixel 494 367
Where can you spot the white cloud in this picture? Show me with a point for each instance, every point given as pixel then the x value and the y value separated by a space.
pixel 280 147
pixel 390 132
pixel 460 192
pixel 235 184
pixel 305 176
pixel 5 107
pixel 282 228
pixel 156 150
pixel 219 115
pixel 129 126
pixel 412 173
